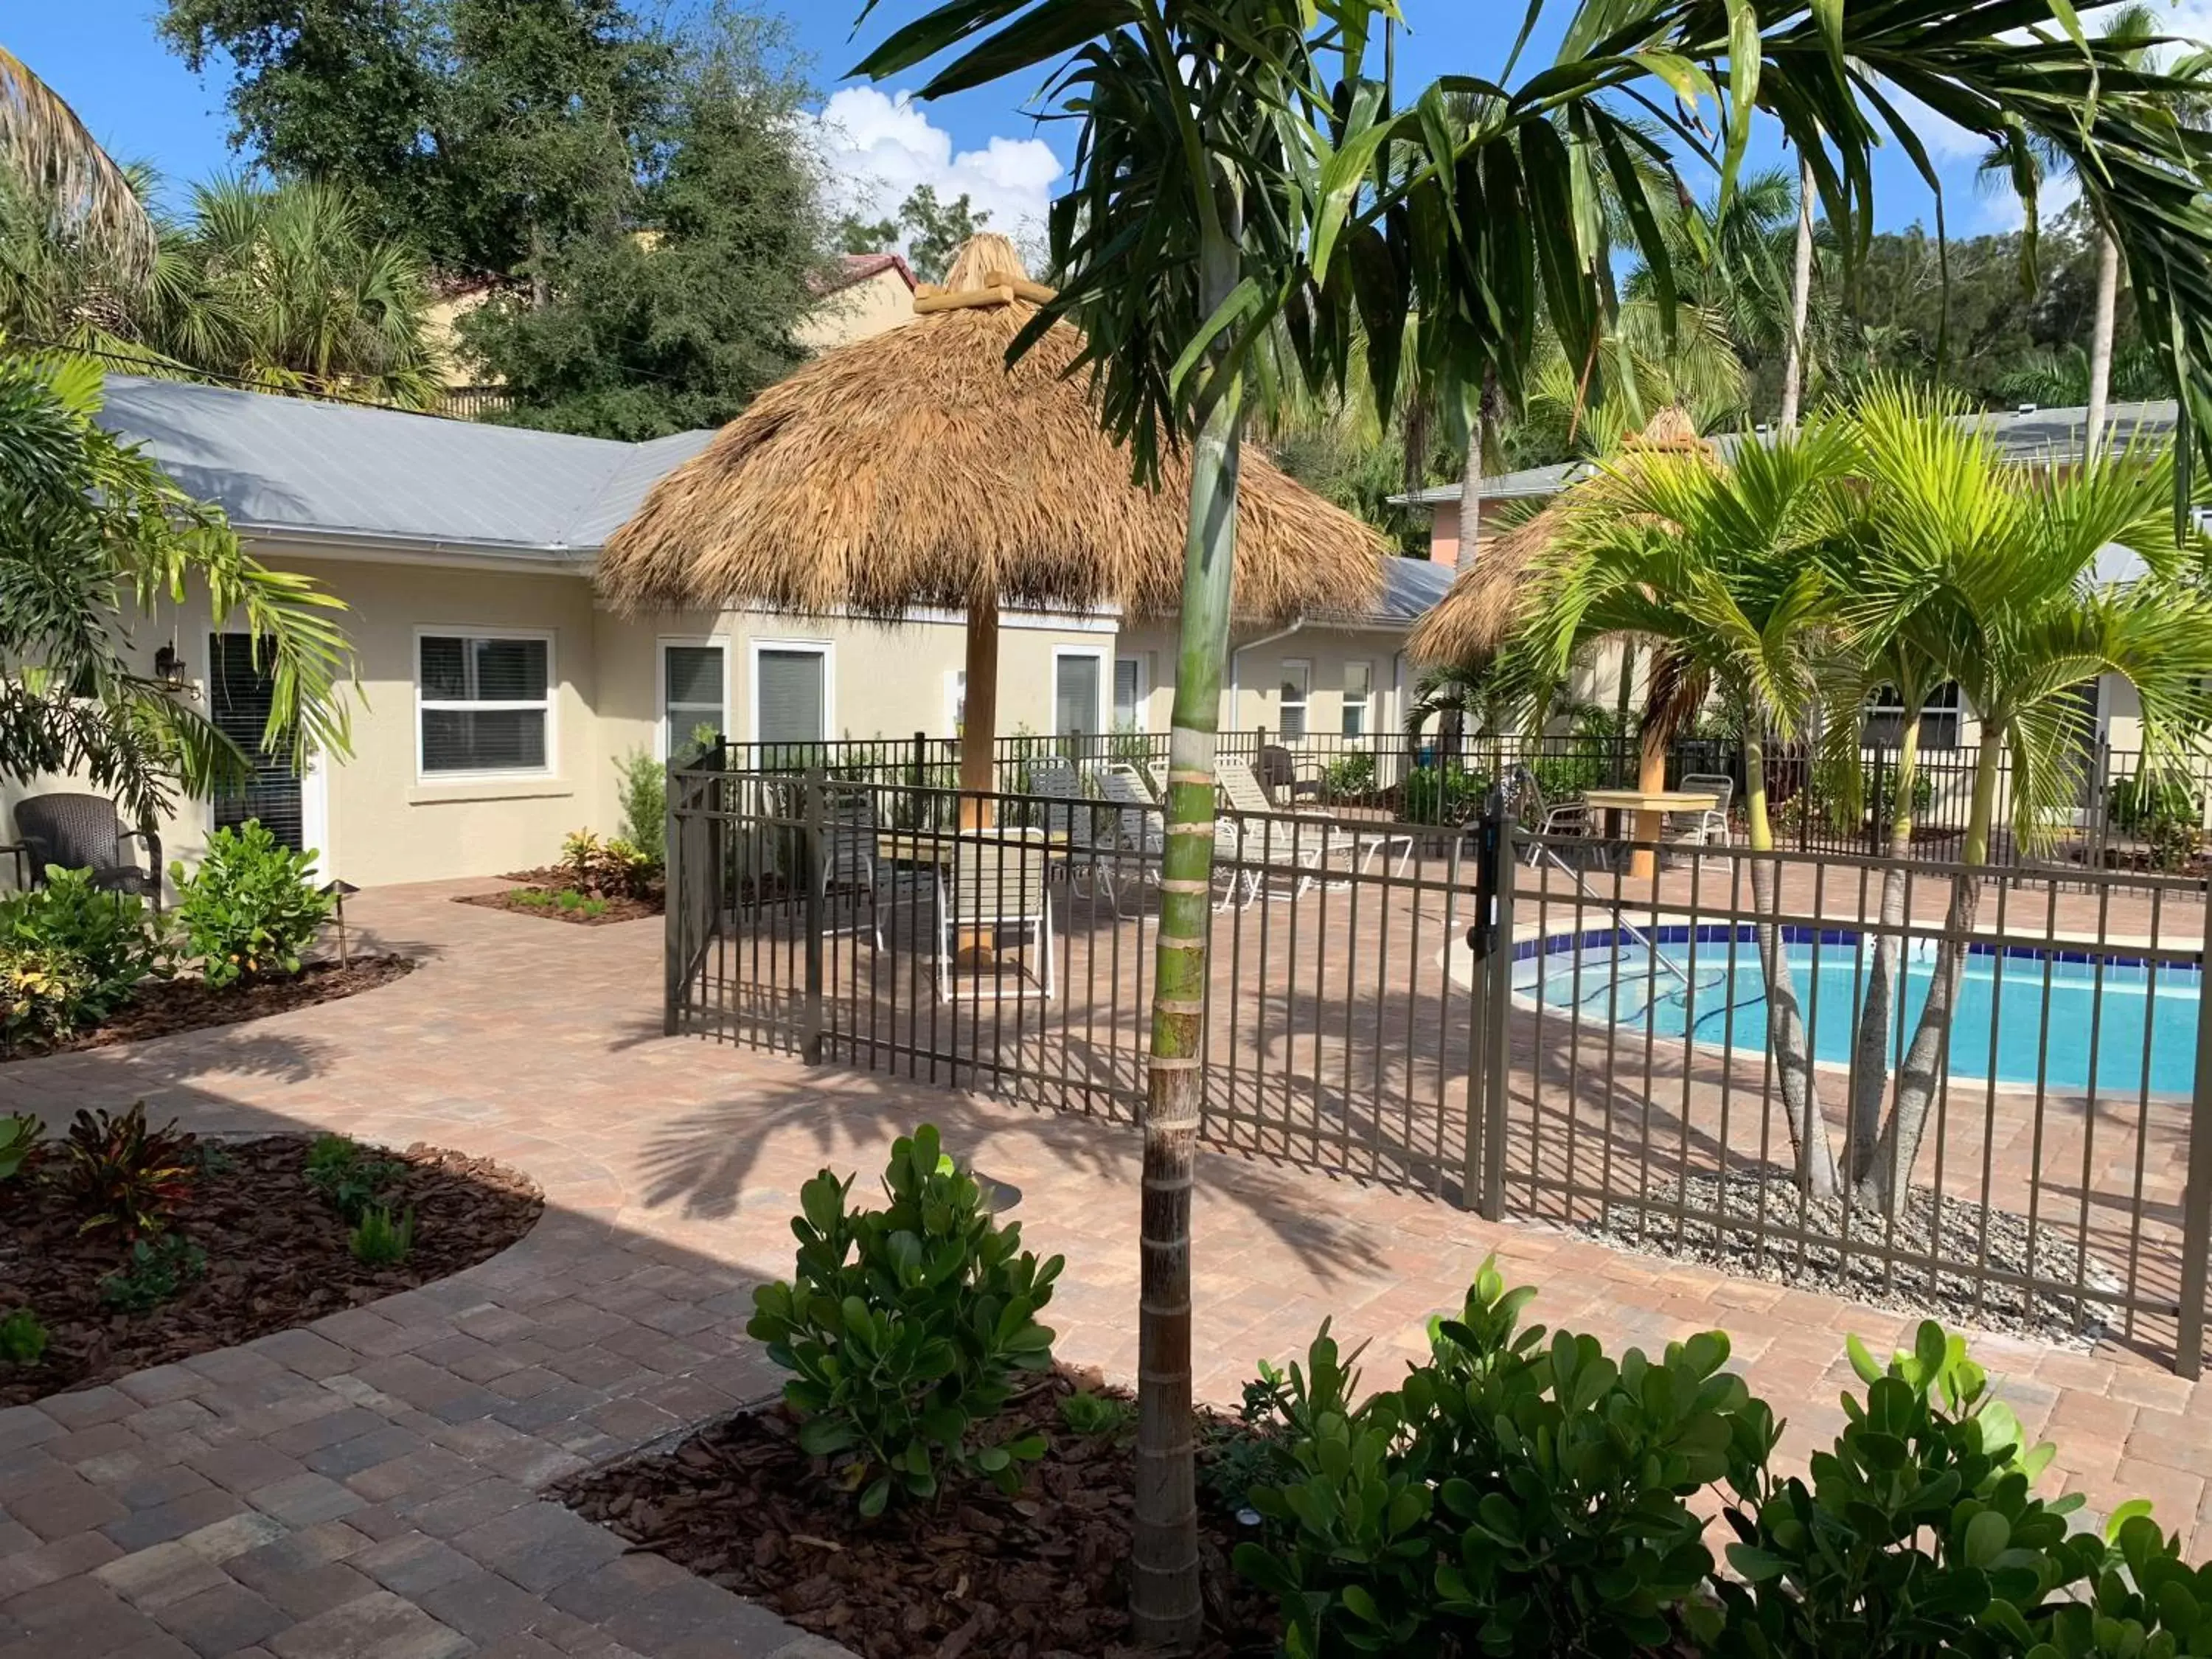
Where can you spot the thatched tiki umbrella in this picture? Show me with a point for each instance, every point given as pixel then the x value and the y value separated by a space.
pixel 916 469
pixel 1485 605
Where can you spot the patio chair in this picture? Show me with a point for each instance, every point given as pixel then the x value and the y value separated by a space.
pixel 83 832
pixel 1299 848
pixel 1709 828
pixel 848 862
pixel 1000 878
pixel 1129 834
pixel 1554 821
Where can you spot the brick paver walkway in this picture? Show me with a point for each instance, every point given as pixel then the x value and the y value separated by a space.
pixel 367 1487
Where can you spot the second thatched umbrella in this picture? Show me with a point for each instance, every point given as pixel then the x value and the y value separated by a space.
pixel 915 469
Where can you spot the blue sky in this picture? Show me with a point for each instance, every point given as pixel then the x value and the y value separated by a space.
pixel 105 57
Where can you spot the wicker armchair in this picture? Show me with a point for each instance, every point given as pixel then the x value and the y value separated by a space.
pixel 83 832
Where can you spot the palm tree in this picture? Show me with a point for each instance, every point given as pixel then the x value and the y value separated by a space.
pixel 77 185
pixel 1725 570
pixel 1800 300
pixel 1234 166
pixel 1974 570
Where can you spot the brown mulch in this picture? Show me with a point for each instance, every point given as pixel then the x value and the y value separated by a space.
pixel 550 879
pixel 163 1007
pixel 276 1256
pixel 1041 1576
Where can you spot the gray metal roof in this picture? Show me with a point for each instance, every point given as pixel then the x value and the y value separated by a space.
pixel 2027 435
pixel 291 466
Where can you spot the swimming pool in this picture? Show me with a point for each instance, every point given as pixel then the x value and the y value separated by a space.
pixel 2127 1006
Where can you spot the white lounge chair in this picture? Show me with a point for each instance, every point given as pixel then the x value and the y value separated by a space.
pixel 997 879
pixel 1264 842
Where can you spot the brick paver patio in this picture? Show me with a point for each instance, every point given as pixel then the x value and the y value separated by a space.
pixel 367 1487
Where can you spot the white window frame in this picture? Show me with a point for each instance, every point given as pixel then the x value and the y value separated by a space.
pixel 549 703
pixel 826 649
pixel 1365 703
pixel 1144 689
pixel 1103 710
pixel 1882 704
pixel 663 737
pixel 1304 704
pixel 955 700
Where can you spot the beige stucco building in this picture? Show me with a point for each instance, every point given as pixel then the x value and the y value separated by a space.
pixel 497 693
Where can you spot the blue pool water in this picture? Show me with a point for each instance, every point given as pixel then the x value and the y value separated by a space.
pixel 2141 1018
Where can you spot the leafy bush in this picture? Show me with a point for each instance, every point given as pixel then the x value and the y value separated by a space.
pixel 1918 1532
pixel 1350 775
pixel 1564 776
pixel 643 796
pixel 158 1269
pixel 2162 810
pixel 582 904
pixel 1097 1414
pixel 1441 794
pixel 19 1142
pixel 605 869
pixel 43 993
pixel 348 1175
pixel 906 1326
pixel 22 1338
pixel 121 1174
pixel 113 934
pixel 378 1240
pixel 1511 1497
pixel 2146 1604
pixel 249 911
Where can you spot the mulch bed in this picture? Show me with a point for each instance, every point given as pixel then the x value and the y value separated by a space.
pixel 276 1256
pixel 163 1007
pixel 553 881
pixel 1041 1576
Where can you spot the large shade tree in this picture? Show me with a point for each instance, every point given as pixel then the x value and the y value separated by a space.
pixel 1236 169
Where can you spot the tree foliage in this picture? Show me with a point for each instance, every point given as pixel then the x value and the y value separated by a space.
pixel 91 534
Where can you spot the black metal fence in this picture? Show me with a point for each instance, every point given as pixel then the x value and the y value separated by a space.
pixel 1517 1024
pixel 2124 818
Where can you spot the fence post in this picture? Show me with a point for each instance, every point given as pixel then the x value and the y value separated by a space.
pixel 674 900
pixel 1490 942
pixel 818 782
pixel 2196 1197
pixel 1877 843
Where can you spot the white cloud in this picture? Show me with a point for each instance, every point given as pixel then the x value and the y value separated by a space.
pixel 878 147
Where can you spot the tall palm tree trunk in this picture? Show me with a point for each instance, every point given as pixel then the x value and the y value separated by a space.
pixel 1800 300
pixel 2101 341
pixel 1890 1176
pixel 1787 1038
pixel 1164 1601
pixel 1479 441
pixel 1870 1061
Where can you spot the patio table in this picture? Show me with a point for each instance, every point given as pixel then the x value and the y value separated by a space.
pixel 1650 806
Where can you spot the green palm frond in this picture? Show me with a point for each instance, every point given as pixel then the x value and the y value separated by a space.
pixel 86 194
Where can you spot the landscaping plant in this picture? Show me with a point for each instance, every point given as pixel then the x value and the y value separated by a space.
pixel 378 1240
pixel 606 869
pixel 906 1327
pixel 22 1338
pixel 19 1142
pixel 1097 1415
pixel 112 934
pixel 1512 1496
pixel 252 909
pixel 159 1267
pixel 348 1175
pixel 42 995
pixel 121 1174
pixel 643 794
pixel 1918 1532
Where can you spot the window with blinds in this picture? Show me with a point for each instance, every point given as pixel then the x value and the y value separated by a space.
pixel 486 702
pixel 1295 686
pixel 1128 693
pixel 1075 695
pixel 791 695
pixel 1358 695
pixel 691 709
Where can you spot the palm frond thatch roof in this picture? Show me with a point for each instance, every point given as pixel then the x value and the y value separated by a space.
pixel 1484 606
pixel 915 469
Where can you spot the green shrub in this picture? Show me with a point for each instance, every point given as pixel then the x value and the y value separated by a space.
pixel 113 934
pixel 1561 777
pixel 1097 1414
pixel 1441 794
pixel 905 1327
pixel 158 1269
pixel 348 1175
pixel 609 869
pixel 1350 775
pixel 22 1338
pixel 1918 1534
pixel 252 909
pixel 120 1173
pixel 535 898
pixel 378 1240
pixel 1512 1496
pixel 2144 1604
pixel 43 994
pixel 643 796
pixel 582 904
pixel 19 1142
pixel 2162 809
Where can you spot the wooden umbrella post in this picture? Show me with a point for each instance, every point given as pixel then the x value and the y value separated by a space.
pixel 976 947
pixel 1650 779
